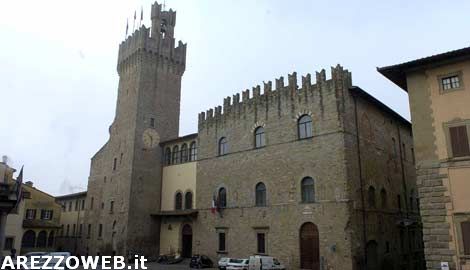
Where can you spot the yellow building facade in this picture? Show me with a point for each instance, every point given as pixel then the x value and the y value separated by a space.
pixel 178 196
pixel 41 220
pixel 439 96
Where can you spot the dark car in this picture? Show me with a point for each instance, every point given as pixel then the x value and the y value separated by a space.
pixel 200 261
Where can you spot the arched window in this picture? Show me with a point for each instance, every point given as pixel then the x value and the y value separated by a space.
pixel 222 198
pixel 176 155
pixel 188 200
pixel 371 197
pixel 260 140
pixel 42 238
pixel 178 201
pixel 412 200
pixel 29 239
pixel 192 152
pixel 305 126
pixel 260 194
pixel 184 153
pixel 168 156
pixel 223 146
pixel 50 240
pixel 383 198
pixel 308 190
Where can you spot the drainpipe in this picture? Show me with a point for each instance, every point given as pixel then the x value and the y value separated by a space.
pixel 359 161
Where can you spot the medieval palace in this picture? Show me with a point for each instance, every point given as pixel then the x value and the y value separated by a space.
pixel 315 172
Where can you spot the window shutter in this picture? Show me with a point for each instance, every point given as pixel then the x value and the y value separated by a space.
pixel 459 141
pixel 466 237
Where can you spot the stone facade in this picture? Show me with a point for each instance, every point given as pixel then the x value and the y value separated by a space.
pixel 330 157
pixel 124 186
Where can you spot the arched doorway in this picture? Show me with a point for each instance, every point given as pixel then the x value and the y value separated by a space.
pixel 187 241
pixel 29 239
pixel 309 247
pixel 372 256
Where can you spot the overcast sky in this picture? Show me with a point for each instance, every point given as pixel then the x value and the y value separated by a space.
pixel 58 63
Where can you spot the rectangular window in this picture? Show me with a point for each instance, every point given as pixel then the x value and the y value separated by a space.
pixel 114 164
pixel 8 243
pixel 459 141
pixel 73 230
pixel 100 231
pixel 70 206
pixel 450 82
pixel 76 205
pixel 80 228
pixel 46 214
pixel 91 202
pixel 83 204
pixel 222 241
pixel 111 207
pixel 152 122
pixel 466 237
pixel 89 231
pixel 31 214
pixel 68 230
pixel 261 239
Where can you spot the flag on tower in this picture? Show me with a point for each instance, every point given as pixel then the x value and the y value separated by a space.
pixel 135 17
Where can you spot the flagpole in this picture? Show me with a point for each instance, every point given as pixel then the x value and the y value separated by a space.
pixel 133 25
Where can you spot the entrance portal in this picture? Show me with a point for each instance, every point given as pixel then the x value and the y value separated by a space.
pixel 309 247
pixel 187 241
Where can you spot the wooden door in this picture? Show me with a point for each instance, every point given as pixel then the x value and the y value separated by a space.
pixel 309 247
pixel 187 241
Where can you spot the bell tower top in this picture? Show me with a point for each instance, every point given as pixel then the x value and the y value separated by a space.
pixel 159 41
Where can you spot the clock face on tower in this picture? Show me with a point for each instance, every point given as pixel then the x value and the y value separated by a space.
pixel 150 138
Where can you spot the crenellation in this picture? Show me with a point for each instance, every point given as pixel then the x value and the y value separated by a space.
pixel 268 87
pixel 280 83
pixel 292 80
pixel 246 95
pixel 340 78
pixel 256 91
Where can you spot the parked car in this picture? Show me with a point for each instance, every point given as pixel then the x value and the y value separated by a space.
pixel 237 264
pixel 264 263
pixel 200 261
pixel 223 263
pixel 54 260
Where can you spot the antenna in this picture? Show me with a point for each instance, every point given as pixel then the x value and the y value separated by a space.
pixel 164 5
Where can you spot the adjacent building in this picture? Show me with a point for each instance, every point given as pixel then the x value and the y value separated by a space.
pixel 72 225
pixel 439 95
pixel 40 221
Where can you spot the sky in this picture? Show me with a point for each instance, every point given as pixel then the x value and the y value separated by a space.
pixel 58 79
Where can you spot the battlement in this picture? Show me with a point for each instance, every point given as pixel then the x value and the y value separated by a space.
pixel 340 80
pixel 158 41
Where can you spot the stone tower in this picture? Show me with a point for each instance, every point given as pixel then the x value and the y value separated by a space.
pixel 125 178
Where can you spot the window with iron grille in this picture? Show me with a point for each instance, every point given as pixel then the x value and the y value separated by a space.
pixel 222 246
pixel 450 82
pixel 459 141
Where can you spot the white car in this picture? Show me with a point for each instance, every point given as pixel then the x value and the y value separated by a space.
pixel 237 264
pixel 54 260
pixel 222 264
pixel 265 263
